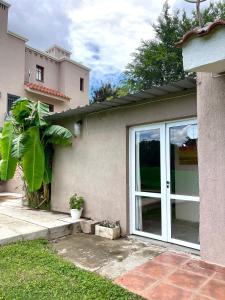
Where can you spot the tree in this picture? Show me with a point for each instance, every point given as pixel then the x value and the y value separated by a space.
pixel 105 92
pixel 27 141
pixel 158 61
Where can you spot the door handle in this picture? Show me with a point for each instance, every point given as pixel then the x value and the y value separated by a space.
pixel 167 184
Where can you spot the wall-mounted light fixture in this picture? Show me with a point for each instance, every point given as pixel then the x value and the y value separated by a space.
pixel 77 129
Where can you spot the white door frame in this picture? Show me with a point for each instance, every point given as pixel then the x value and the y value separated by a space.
pixel 165 195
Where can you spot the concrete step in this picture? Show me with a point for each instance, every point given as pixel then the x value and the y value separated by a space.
pixel 32 232
pixel 8 196
pixel 18 223
pixel 61 231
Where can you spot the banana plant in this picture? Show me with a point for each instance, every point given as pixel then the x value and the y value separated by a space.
pixel 27 140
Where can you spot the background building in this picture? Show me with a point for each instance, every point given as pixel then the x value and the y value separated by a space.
pixel 50 76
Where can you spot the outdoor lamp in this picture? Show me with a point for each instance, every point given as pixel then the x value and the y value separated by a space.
pixel 77 128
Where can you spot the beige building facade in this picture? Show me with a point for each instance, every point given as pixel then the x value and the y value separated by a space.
pixel 105 166
pixel 155 161
pixel 50 76
pixel 99 165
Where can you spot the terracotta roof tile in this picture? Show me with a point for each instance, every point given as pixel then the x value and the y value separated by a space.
pixel 200 32
pixel 46 90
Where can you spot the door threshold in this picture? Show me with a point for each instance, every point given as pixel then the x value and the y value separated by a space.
pixel 167 245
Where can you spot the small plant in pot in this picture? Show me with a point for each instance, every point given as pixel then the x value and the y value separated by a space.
pixel 76 206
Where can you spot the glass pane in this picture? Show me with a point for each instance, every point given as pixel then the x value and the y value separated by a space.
pixel 147 161
pixel 185 221
pixel 148 215
pixel 184 160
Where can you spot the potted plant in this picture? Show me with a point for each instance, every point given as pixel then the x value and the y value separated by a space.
pixel 76 206
pixel 107 229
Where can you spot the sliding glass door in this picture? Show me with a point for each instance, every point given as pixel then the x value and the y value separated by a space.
pixel 164 182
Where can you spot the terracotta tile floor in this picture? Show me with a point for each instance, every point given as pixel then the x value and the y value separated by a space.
pixel 176 276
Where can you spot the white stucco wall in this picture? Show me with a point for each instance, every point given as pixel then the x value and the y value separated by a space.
pixel 205 54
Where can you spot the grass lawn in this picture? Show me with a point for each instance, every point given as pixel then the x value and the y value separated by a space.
pixel 31 270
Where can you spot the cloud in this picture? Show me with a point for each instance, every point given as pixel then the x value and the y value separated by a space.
pixel 102 34
pixel 44 23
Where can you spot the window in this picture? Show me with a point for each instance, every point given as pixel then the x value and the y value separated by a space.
pixel 82 84
pixel 50 107
pixel 39 73
pixel 11 100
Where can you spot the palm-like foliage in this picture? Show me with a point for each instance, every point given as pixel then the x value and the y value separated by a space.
pixel 27 140
pixel 105 92
pixel 7 163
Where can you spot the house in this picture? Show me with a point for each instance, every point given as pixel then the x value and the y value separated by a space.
pixel 50 76
pixel 155 160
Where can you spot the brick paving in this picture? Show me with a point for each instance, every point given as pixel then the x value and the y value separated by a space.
pixel 176 276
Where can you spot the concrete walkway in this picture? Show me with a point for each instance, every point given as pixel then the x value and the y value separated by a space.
pixel 21 223
pixel 109 258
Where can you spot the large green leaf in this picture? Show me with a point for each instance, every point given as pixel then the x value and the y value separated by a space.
pixel 21 110
pixel 18 146
pixel 42 110
pixel 58 135
pixel 39 111
pixel 8 163
pixel 33 161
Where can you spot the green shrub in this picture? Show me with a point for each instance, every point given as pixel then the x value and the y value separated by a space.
pixel 76 202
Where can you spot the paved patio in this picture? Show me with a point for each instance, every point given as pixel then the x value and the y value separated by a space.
pixel 176 276
pixel 21 223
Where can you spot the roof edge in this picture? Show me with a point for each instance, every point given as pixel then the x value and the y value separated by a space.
pixel 18 36
pixel 57 59
pixel 199 32
pixel 5 3
pixel 41 52
pixel 181 87
pixel 74 62
pixel 43 90
pixel 59 47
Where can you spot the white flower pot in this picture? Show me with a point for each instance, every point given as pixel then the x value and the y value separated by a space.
pixel 76 214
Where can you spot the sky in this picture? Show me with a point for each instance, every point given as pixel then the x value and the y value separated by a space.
pixel 102 34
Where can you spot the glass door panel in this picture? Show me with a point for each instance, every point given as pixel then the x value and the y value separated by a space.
pixel 147 179
pixel 184 160
pixel 185 221
pixel 148 215
pixel 182 183
pixel 148 161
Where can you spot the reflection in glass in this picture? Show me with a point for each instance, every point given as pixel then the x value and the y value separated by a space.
pixel 184 160
pixel 147 157
pixel 148 215
pixel 185 221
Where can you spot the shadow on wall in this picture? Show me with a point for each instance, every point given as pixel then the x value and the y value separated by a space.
pixel 2 186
